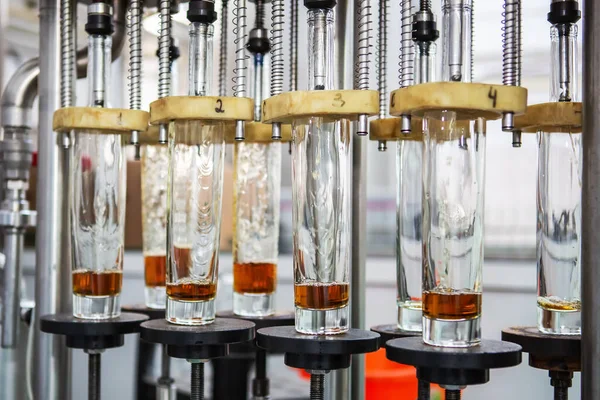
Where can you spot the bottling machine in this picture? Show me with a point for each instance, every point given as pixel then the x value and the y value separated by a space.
pixel 438 121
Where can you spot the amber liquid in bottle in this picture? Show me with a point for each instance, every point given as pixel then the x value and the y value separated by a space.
pixel 321 296
pixel 97 283
pixel 186 288
pixel 451 305
pixel 254 278
pixel 155 270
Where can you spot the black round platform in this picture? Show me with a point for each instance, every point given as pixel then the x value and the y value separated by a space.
pixel 316 352
pixel 451 365
pixel 389 332
pixel 198 341
pixel 277 319
pixel 92 334
pixel 152 313
pixel 550 352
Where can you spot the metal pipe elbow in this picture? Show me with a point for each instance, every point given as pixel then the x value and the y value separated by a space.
pixel 20 93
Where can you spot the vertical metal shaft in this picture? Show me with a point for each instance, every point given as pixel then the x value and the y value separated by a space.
pixel 294 46
pixel 511 58
pixel 164 59
pixel 363 53
pixel 13 249
pixel 423 390
pixel 197 381
pixel 317 389
pixel 94 371
pixel 51 372
pixel 407 59
pixel 223 49
pixel 453 394
pixel 382 39
pixel 260 384
pixel 241 60
pixel 134 30
pixel 68 51
pixel 277 62
pixel 590 274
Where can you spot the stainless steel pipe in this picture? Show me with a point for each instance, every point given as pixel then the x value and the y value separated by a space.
pixel 590 232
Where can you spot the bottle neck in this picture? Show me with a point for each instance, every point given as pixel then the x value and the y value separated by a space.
pixel 456 51
pixel 564 77
pixel 201 54
pixel 320 49
pixel 99 51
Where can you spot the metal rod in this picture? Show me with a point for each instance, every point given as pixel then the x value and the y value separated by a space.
pixel 51 373
pixel 11 307
pixel 453 394
pixel 294 46
pixel 424 390
pixel 94 372
pixel 197 381
pixel 590 274
pixel 223 49
pixel 241 61
pixel 317 390
pixel 260 384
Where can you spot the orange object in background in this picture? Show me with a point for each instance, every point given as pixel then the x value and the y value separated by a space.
pixel 386 379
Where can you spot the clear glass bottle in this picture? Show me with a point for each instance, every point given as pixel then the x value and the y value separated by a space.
pixel 409 219
pixel 559 199
pixel 559 232
pixel 457 17
pixel 256 199
pixel 195 187
pixel 155 173
pixel 98 202
pixel 321 169
pixel 453 194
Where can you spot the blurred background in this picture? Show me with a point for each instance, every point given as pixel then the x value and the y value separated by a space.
pixel 510 212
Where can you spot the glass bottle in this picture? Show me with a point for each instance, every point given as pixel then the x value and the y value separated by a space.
pixel 321 168
pixel 453 194
pixel 155 173
pixel 196 154
pixel 559 199
pixel 98 202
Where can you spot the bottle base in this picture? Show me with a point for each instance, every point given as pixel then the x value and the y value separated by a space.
pixel 557 322
pixel 253 304
pixel 96 307
pixel 322 322
pixel 190 312
pixel 156 297
pixel 410 316
pixel 452 333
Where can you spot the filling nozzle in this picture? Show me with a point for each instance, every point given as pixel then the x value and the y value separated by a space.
pixel 457 19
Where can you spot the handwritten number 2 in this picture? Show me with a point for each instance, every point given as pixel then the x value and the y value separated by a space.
pixel 219 108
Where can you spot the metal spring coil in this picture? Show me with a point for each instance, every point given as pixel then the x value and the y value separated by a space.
pixel 277 62
pixel 294 46
pixel 511 46
pixel 361 66
pixel 223 50
pixel 241 56
pixel 134 20
pixel 67 40
pixel 382 42
pixel 164 49
pixel 407 49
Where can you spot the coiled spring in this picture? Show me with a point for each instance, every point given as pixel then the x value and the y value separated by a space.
pixel 511 46
pixel 294 46
pixel 67 40
pixel 241 56
pixel 164 50
pixel 382 42
pixel 361 66
pixel 223 50
pixel 134 20
pixel 407 50
pixel 277 62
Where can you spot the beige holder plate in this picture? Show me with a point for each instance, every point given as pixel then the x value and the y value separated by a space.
pixel 206 108
pixel 551 117
pixel 110 120
pixel 468 100
pixel 331 104
pixel 257 132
